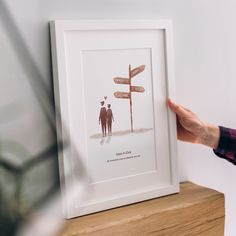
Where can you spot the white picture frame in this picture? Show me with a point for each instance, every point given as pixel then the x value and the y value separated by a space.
pixel 137 160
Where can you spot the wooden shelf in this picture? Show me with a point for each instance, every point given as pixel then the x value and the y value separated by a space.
pixel 194 211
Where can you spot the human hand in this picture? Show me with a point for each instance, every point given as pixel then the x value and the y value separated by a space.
pixel 192 129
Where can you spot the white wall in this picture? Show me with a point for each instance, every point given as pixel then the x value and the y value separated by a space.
pixel 205 58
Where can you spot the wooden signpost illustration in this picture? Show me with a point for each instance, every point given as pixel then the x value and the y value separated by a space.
pixel 128 95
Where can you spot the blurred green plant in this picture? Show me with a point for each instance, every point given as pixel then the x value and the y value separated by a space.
pixel 15 163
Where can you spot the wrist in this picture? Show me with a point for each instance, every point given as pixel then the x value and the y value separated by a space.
pixel 210 136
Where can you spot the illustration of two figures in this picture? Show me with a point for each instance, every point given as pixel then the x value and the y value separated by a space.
pixel 106 119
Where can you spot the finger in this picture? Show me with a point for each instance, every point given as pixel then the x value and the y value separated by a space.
pixel 178 109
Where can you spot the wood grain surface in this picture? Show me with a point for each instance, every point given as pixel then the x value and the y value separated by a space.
pixel 195 211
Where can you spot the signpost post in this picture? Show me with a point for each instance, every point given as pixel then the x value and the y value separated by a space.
pixel 130 100
pixel 128 95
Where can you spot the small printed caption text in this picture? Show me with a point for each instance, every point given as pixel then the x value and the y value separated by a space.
pixel 120 156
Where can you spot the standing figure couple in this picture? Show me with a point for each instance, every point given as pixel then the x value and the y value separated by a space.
pixel 106 119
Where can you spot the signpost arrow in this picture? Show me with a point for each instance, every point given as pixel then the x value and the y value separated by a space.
pixel 125 95
pixel 119 80
pixel 137 70
pixel 138 89
pixel 122 95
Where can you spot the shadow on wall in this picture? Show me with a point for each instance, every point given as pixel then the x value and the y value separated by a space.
pixel 21 172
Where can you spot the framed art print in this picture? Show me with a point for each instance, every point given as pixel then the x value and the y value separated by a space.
pixel 111 82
